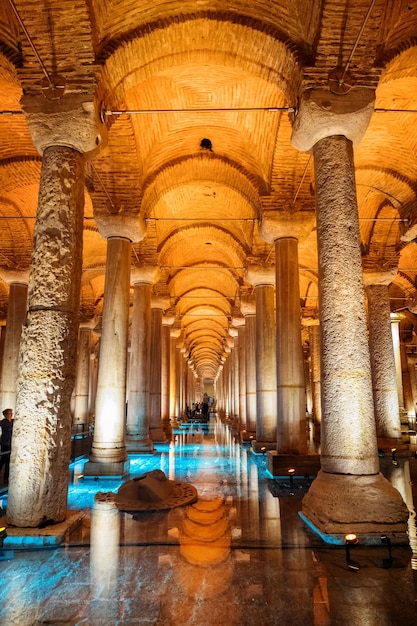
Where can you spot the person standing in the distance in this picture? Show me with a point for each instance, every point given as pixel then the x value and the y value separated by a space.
pixel 6 425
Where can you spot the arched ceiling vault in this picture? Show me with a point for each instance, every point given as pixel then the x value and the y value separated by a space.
pixel 198 101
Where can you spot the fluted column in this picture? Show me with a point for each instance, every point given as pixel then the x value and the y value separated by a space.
pixel 41 451
pixel 109 453
pixel 158 305
pixel 349 488
pixel 16 316
pixel 137 427
pixel 266 378
pixel 387 410
pixel 248 308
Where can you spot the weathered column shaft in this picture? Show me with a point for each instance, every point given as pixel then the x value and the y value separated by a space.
pixel 291 434
pixel 82 379
pixel 155 375
pixel 172 376
pixel 165 371
pixel 42 429
pixel 109 441
pixel 242 375
pixel 348 437
pixel 396 341
pixel 138 403
pixel 387 411
pixel 16 316
pixel 266 377
pixel 250 373
pixel 314 336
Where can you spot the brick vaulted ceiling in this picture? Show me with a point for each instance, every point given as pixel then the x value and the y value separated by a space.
pixel 231 73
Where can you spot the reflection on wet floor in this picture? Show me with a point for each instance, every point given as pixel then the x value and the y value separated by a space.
pixel 239 555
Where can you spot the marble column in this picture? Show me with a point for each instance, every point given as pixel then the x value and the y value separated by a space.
pixel 109 453
pixel 285 229
pixel 16 317
pixel 41 451
pixel 82 378
pixel 173 376
pixel 137 427
pixel 158 306
pixel 349 494
pixel 248 309
pixel 178 386
pixel 384 381
pixel 167 322
pixel 263 278
pixel 314 339
pixel 411 362
pixel 239 324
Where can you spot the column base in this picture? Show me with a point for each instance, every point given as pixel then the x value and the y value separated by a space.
pixel 140 446
pixel 260 447
pixel 115 469
pixel 367 505
pixel 158 435
pixel 279 464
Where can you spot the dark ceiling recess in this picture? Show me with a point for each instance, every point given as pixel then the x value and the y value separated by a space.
pixel 206 144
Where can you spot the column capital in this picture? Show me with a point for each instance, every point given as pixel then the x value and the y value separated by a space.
pixel 175 333
pixel 88 324
pixel 160 302
pixel 324 114
pixel 238 322
pixel 126 224
pixel 248 306
pixel 233 332
pixel 144 274
pixel 60 123
pixel 259 275
pixel 168 320
pixel 286 223
pixel 14 276
pixel 379 277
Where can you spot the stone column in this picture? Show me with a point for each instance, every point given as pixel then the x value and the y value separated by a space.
pixel 167 322
pixel 248 309
pixel 239 324
pixel 314 338
pixel 285 229
pixel 137 428
pixel 387 410
pixel 108 453
pixel 178 386
pixel 266 376
pixel 349 493
pixel 16 317
pixel 173 376
pixel 82 378
pixel 234 358
pixel 42 428
pixel 158 305
pixel 412 361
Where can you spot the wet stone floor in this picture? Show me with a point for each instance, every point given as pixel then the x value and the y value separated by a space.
pixel 240 555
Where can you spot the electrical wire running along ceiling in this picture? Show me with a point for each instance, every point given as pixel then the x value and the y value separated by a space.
pixel 198 100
